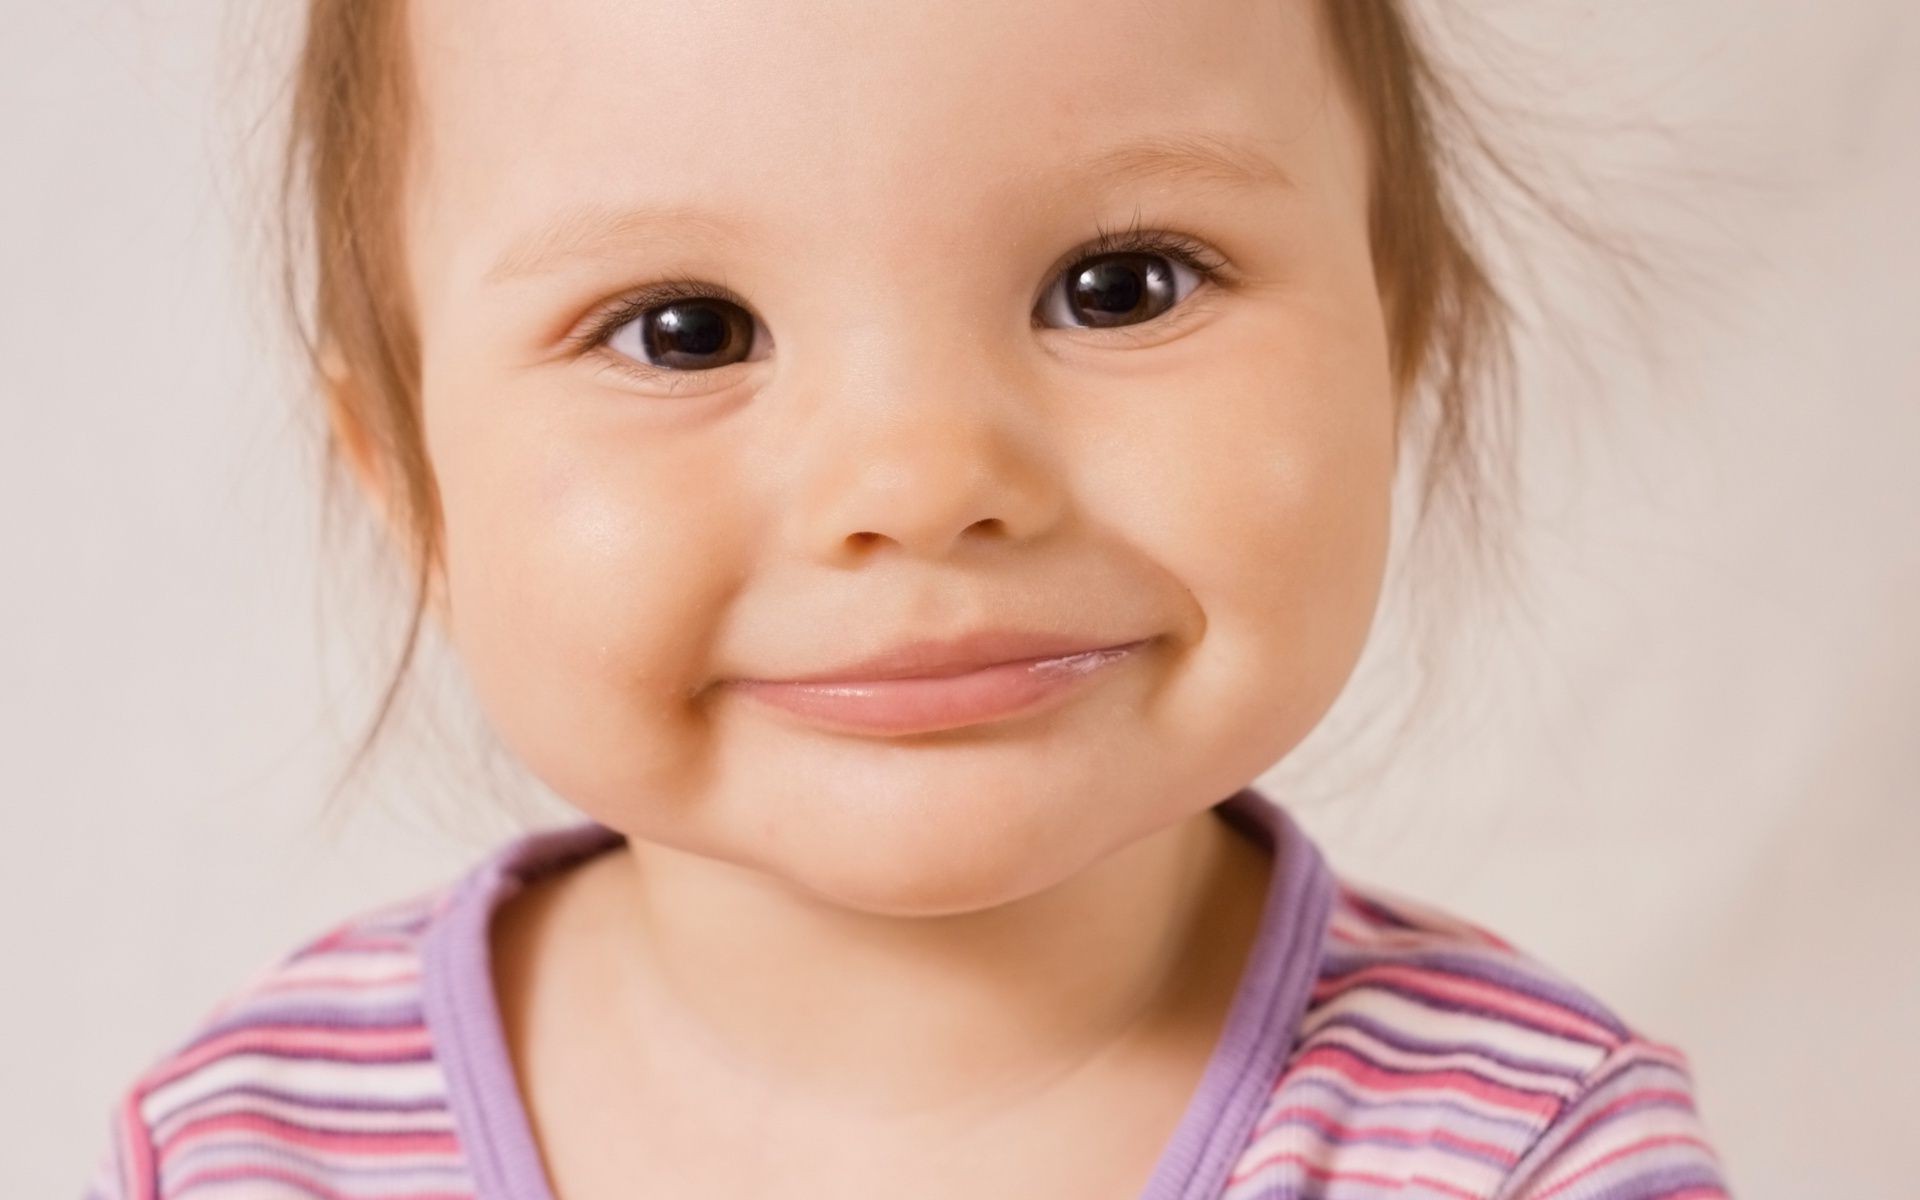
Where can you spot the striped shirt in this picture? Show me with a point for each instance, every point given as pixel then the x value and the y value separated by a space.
pixel 1375 1047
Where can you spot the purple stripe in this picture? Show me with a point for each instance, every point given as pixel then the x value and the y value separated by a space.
pixel 1467 1008
pixel 1648 1183
pixel 308 1015
pixel 1401 1139
pixel 1399 1039
pixel 325 1170
pixel 1627 1060
pixel 1353 1102
pixel 321 1131
pixel 1378 911
pixel 1526 977
pixel 424 1054
pixel 1547 1094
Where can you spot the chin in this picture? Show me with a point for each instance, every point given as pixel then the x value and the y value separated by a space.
pixel 935 852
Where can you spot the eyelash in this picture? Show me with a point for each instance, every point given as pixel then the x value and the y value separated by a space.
pixel 599 330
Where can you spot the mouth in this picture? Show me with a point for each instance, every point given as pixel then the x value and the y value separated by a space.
pixel 929 687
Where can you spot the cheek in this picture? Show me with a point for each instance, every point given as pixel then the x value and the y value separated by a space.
pixel 582 577
pixel 1270 491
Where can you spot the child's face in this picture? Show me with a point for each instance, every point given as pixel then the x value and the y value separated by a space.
pixel 934 413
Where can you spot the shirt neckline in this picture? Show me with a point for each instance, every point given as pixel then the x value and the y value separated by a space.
pixel 463 1017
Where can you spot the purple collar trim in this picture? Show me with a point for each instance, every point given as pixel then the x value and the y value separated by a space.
pixel 463 1018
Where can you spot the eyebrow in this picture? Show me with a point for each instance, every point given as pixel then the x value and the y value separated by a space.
pixel 595 230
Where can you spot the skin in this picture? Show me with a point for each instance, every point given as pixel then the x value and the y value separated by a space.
pixel 889 955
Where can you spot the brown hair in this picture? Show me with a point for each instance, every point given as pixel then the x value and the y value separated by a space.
pixel 1449 326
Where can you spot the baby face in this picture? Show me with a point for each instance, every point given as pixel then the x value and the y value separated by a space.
pixel 763 338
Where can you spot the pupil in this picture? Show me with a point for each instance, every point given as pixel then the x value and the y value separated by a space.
pixel 1118 286
pixel 687 329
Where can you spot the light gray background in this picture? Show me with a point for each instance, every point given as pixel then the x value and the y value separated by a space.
pixel 1687 781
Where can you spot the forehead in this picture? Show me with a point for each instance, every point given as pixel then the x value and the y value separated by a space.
pixel 872 114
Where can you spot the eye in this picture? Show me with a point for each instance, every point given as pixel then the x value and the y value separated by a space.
pixel 1129 278
pixel 677 327
pixel 680 331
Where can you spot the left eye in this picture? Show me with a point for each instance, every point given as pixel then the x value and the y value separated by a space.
pixel 1119 289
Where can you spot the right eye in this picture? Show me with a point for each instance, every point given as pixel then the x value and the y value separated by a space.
pixel 678 332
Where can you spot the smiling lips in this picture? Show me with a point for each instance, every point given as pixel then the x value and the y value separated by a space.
pixel 928 686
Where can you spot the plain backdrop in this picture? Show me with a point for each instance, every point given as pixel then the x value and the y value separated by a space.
pixel 1686 780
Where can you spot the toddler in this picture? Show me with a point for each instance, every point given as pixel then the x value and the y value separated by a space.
pixel 899 470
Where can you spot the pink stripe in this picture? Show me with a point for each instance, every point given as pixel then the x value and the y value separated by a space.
pixel 1493 938
pixel 351 1044
pixel 1386 921
pixel 1673 1056
pixel 340 982
pixel 304 1182
pixel 1631 1098
pixel 1408 1135
pixel 136 1153
pixel 338 1141
pixel 1622 1152
pixel 351 937
pixel 300 1111
pixel 1321 1173
pixel 1524 1009
pixel 1361 1071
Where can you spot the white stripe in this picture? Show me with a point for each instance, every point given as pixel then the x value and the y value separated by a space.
pixel 355 1081
pixel 1463 1029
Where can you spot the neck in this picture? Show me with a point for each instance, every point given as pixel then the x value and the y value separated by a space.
pixel 796 998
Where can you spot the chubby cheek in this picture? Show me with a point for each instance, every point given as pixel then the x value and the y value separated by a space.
pixel 1270 502
pixel 583 579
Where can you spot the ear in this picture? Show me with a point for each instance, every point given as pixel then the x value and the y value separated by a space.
pixel 350 433
pixel 360 451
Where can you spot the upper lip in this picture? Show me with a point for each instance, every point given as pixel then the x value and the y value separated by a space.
pixel 958 655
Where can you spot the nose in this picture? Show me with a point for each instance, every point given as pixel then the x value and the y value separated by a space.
pixel 922 460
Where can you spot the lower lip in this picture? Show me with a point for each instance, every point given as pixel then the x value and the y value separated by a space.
pixel 926 704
